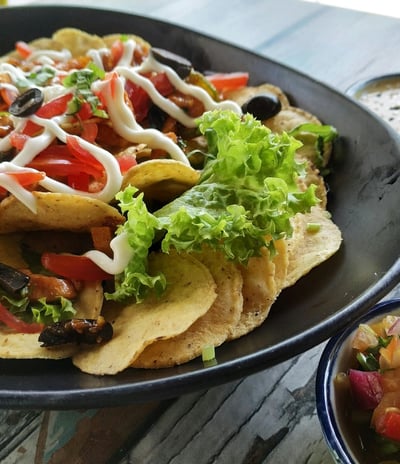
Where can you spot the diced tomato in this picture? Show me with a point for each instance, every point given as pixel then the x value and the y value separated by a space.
pixel 224 82
pixel 389 401
pixel 13 322
pixel 32 128
pixel 89 131
pixel 23 49
pixel 82 154
pixel 390 425
pixel 8 95
pixel 73 267
pixel 18 140
pixel 85 112
pixel 79 181
pixel 54 107
pixel 57 161
pixel 27 177
pixel 140 100
pixel 126 162
pixel 366 388
pixel 117 50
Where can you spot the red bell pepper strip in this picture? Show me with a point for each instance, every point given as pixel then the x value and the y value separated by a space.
pixel 73 267
pixel 229 81
pixel 13 322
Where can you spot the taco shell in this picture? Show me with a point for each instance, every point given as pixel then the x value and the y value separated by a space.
pixel 190 292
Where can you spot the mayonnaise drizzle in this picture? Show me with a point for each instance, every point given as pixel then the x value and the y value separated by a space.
pixel 124 124
pixel 122 254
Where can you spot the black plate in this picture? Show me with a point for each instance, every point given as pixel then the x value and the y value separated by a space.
pixel 364 201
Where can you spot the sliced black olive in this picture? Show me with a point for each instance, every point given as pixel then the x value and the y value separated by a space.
pixel 89 331
pixel 262 106
pixel 12 280
pixel 178 63
pixel 27 103
pixel 156 117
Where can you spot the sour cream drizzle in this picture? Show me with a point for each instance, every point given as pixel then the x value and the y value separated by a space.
pixel 124 124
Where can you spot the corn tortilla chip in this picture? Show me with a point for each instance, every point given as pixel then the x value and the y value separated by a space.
pixel 190 292
pixel 57 211
pixel 262 283
pixel 210 329
pixel 161 180
pixel 309 248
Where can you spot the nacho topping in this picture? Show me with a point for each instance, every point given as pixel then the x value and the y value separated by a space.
pixel 187 218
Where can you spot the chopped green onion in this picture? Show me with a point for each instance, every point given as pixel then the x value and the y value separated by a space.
pixel 313 227
pixel 208 353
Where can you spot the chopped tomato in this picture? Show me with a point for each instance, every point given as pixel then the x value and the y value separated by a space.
pixel 18 140
pixel 82 154
pixel 27 177
pixel 54 107
pixel 79 181
pixel 117 50
pixel 224 82
pixel 32 128
pixel 85 112
pixel 57 161
pixel 23 49
pixel 391 424
pixel 140 100
pixel 73 267
pixel 13 322
pixel 8 95
pixel 126 162
pixel 89 131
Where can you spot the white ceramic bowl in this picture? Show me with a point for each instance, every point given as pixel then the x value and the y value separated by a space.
pixel 338 357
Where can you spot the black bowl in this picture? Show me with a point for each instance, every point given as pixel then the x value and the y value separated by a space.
pixel 364 201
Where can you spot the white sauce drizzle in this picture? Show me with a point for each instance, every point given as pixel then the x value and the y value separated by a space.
pixel 122 254
pixel 124 123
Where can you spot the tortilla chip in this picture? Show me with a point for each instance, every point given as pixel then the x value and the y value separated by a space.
pixel 308 249
pixel 57 211
pixel 190 292
pixel 259 293
pixel 77 41
pixel 210 329
pixel 90 300
pixel 161 180
pixel 26 346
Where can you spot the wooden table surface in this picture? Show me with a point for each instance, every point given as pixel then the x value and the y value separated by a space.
pixel 268 417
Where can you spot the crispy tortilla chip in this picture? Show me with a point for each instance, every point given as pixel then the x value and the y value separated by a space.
pixel 77 41
pixel 26 346
pixel 262 283
pixel 190 292
pixel 57 211
pixel 307 249
pixel 210 329
pixel 161 180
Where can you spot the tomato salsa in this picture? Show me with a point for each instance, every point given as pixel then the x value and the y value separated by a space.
pixel 372 387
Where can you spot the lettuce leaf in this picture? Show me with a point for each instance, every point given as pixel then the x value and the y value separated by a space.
pixel 140 228
pixel 244 200
pixel 247 192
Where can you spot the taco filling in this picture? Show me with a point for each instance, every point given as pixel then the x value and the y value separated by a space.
pixel 126 172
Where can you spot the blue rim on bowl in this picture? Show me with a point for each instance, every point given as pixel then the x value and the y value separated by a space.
pixel 334 359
